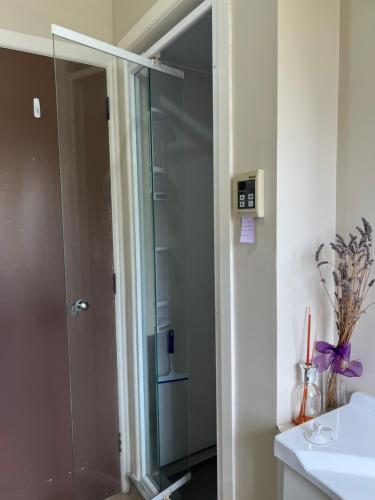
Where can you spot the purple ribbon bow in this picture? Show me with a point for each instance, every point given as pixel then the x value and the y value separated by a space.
pixel 338 358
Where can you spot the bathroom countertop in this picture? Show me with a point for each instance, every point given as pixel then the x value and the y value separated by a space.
pixel 345 468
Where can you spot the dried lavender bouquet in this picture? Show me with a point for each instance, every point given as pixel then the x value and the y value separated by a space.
pixel 352 282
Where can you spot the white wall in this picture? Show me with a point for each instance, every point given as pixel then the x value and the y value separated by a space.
pixel 356 152
pixel 127 13
pixel 254 53
pixel 92 17
pixel 308 54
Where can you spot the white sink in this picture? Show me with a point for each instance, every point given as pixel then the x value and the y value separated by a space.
pixel 345 468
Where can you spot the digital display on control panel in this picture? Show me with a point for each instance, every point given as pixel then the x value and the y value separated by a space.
pixel 246 194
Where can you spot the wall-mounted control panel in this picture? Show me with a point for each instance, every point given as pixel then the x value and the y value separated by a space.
pixel 248 193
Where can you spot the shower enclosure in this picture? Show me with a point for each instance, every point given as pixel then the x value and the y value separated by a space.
pixel 174 167
pixel 84 69
pixel 161 192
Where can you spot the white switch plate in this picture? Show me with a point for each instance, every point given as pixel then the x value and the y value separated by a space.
pixel 37 111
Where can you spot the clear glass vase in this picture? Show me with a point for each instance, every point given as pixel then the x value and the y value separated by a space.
pixel 307 398
pixel 336 393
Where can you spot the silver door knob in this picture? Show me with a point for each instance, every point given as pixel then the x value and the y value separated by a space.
pixel 78 306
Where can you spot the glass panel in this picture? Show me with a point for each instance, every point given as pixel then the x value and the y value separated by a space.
pixel 161 195
pixel 147 267
pixel 169 188
pixel 81 82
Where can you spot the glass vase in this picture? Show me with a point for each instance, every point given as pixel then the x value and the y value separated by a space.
pixel 336 391
pixel 307 398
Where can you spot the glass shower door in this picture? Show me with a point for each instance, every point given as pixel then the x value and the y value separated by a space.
pixel 81 79
pixel 162 205
pixel 146 255
pixel 81 85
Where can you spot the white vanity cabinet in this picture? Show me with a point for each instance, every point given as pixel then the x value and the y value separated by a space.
pixel 296 487
pixel 342 469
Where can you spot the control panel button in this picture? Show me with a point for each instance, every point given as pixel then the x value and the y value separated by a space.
pixel 246 194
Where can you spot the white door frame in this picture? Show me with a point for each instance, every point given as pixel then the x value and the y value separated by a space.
pixel 144 34
pixel 44 46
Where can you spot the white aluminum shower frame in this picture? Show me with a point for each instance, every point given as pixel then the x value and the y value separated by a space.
pixel 93 43
pixel 139 473
pixel 149 36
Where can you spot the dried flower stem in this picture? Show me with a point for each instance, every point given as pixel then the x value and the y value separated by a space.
pixel 351 275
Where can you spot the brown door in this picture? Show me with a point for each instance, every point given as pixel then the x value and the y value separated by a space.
pixel 87 223
pixel 35 426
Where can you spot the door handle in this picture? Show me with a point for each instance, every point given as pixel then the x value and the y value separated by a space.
pixel 78 306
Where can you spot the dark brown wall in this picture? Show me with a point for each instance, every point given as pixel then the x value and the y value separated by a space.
pixel 35 430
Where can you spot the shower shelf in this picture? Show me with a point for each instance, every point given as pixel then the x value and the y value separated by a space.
pixel 159 170
pixel 157 111
pixel 169 381
pixel 161 249
pixel 162 303
pixel 158 196
pixel 163 324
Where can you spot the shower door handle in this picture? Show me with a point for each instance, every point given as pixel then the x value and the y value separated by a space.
pixel 78 306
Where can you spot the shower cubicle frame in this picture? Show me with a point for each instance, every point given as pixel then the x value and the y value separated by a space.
pixel 157 29
pixel 139 474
